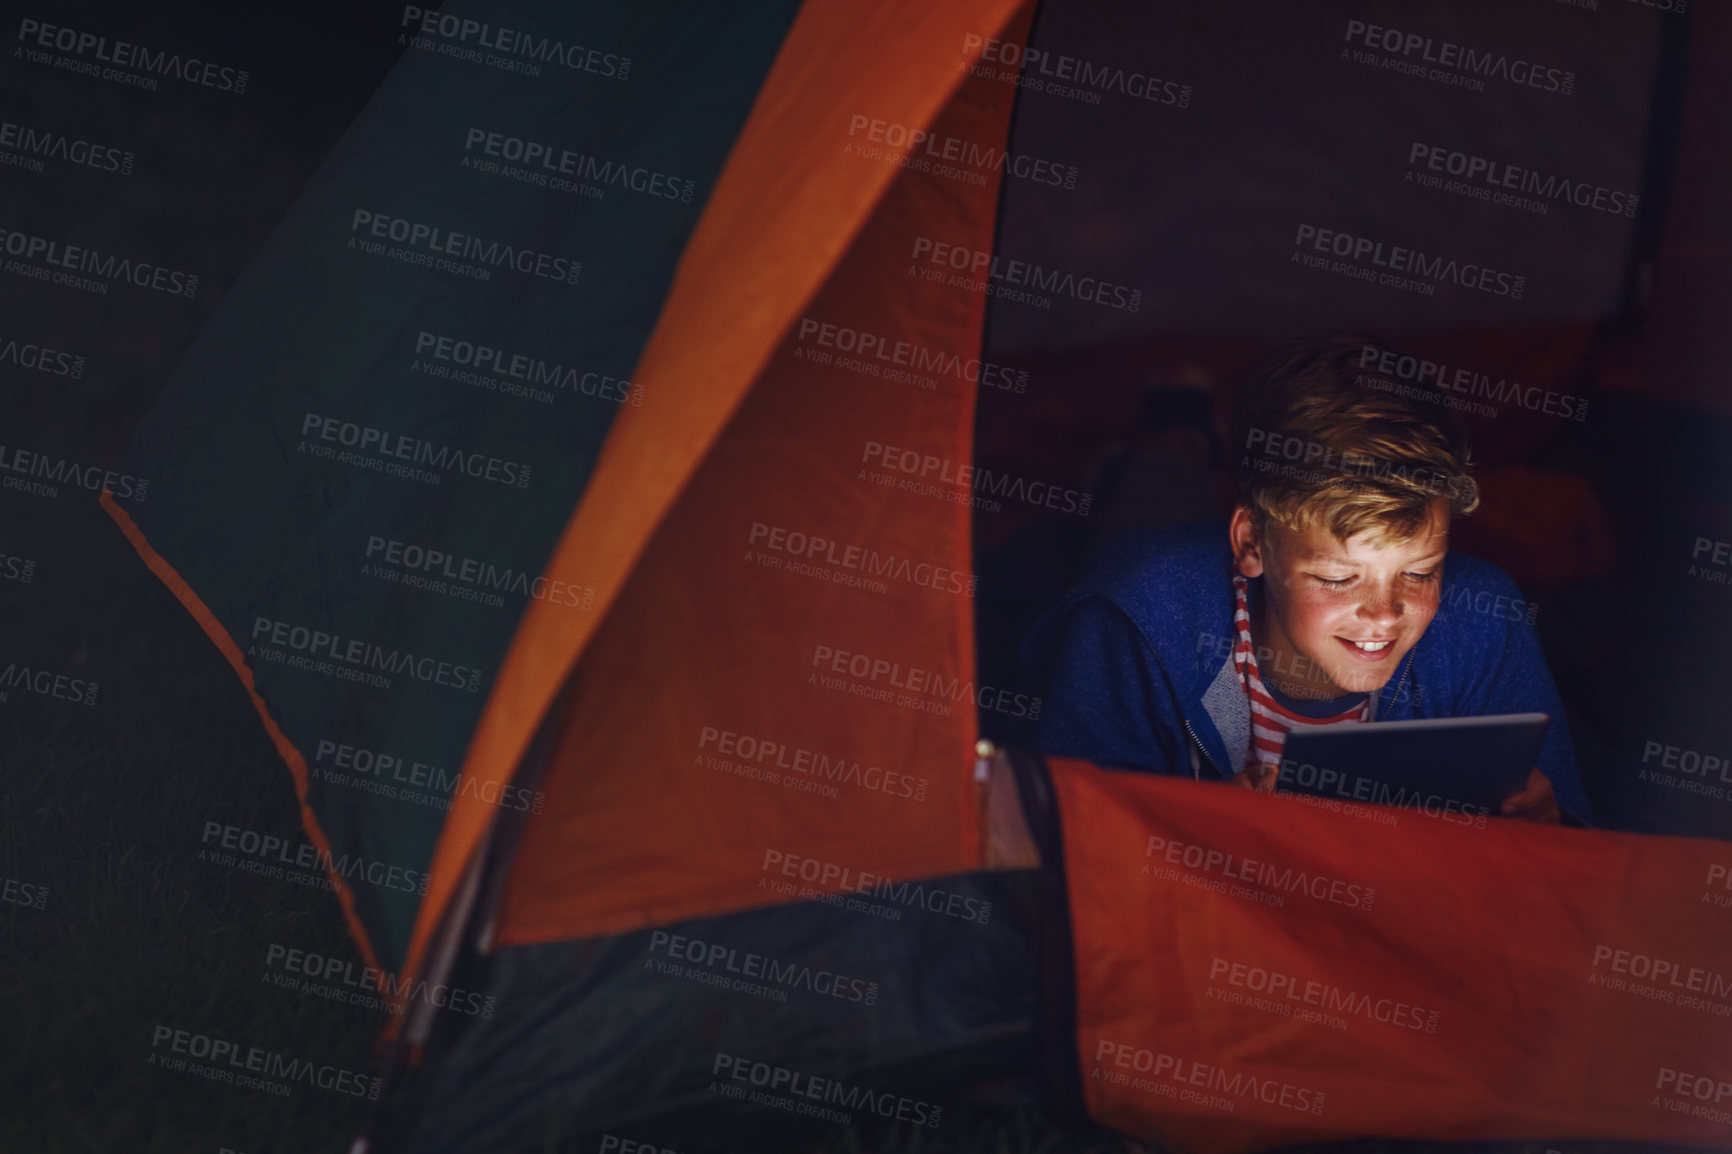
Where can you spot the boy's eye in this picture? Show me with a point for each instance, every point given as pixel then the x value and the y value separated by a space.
pixel 1331 582
pixel 1423 578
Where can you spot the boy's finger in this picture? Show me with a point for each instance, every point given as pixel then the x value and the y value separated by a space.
pixel 1538 788
pixel 1526 799
pixel 1534 805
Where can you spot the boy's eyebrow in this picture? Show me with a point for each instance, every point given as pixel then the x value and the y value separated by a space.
pixel 1319 555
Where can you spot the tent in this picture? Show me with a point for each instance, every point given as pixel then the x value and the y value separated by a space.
pixel 579 483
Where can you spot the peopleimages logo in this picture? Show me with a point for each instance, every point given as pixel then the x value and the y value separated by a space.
pixel 517 374
pixel 1068 76
pixel 358 984
pixel 1310 1000
pixel 1454 381
pixel 85 269
pixel 1720 876
pixel 1294 456
pixel 1409 53
pixel 122 55
pixel 1689 770
pixel 832 882
pixel 19 569
pixel 252 1066
pixel 614 1144
pixel 950 156
pixel 762 970
pixel 392 775
pixel 1395 259
pixel 506 48
pixel 52 471
pixel 934 476
pixel 15 892
pixel 40 358
pixel 1197 1083
pixel 434 247
pixel 1719 553
pixel 1498 182
pixel 781 755
pixel 1337 783
pixel 1664 980
pixel 1698 1095
pixel 565 170
pixel 1016 280
pixel 925 690
pixel 1202 860
pixel 384 451
pixel 466 578
pixel 795 1092
pixel 876 355
pixel 23 678
pixel 353 659
pixel 861 565
pixel 35 145
pixel 1498 606
pixel 271 856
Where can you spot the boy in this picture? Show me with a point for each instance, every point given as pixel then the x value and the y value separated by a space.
pixel 1330 598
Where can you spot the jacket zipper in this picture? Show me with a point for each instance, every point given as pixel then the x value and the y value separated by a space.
pixel 1406 667
pixel 1204 753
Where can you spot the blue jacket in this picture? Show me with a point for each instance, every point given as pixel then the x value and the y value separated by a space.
pixel 1140 670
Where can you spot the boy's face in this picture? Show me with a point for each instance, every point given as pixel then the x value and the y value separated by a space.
pixel 1339 616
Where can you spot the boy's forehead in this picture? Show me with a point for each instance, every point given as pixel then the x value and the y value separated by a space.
pixel 1417 546
pixel 1314 541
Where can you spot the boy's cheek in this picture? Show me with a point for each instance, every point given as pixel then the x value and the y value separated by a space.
pixel 1313 621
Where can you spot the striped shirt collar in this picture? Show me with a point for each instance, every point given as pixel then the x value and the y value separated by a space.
pixel 1270 720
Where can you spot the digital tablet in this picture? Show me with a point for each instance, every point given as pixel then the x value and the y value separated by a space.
pixel 1470 761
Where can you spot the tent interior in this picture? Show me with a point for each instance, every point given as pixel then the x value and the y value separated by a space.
pixel 1200 210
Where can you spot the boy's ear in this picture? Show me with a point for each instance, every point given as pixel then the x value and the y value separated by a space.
pixel 1247 549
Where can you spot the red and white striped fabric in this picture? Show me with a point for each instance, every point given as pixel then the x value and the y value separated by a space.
pixel 1270 720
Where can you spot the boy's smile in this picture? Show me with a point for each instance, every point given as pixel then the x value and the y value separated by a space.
pixel 1341 614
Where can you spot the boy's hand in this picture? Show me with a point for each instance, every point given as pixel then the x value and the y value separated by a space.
pixel 1258 777
pixel 1537 802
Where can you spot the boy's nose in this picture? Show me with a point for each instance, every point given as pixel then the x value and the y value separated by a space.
pixel 1384 609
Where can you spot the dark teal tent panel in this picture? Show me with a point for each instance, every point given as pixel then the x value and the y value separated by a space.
pixel 624 1035
pixel 365 459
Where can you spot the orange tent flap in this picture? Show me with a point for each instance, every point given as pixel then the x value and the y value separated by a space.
pixel 292 757
pixel 1254 969
pixel 786 206
pixel 782 701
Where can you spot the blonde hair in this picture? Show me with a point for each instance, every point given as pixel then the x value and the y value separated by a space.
pixel 1321 439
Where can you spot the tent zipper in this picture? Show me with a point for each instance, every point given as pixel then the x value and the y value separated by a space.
pixel 984 754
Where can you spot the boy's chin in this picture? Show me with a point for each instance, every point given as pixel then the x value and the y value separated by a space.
pixel 1361 680
pixel 1355 678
